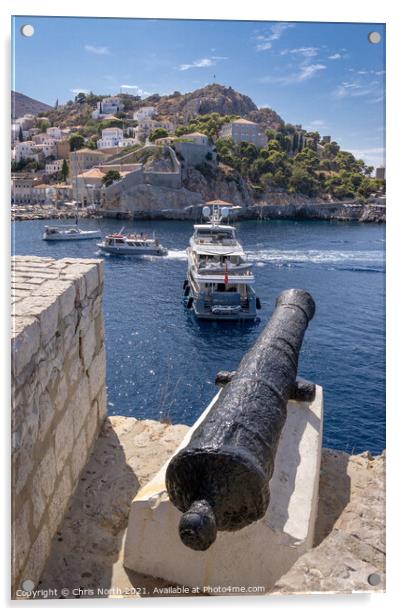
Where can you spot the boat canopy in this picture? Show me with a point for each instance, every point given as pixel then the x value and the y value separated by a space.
pixel 218 250
pixel 219 278
pixel 212 227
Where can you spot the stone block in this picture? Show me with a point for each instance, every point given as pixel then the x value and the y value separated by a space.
pixel 63 441
pixel 45 478
pixel 21 539
pixel 102 405
pixel 87 345
pixel 256 555
pixel 97 374
pixel 58 504
pixel 25 342
pixel 79 406
pixel 46 413
pixel 37 556
pixel 78 456
pixel 92 280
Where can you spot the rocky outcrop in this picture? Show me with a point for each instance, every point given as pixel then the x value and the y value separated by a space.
pixel 213 183
pixel 298 207
pixel 267 118
pixel 212 98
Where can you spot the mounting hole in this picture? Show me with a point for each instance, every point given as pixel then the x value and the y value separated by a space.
pixel 28 585
pixel 374 579
pixel 374 37
pixel 27 30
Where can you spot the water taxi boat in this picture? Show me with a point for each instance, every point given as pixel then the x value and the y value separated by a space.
pixel 219 276
pixel 69 233
pixel 135 244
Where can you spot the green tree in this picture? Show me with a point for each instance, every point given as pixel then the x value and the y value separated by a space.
pixel 158 133
pixel 43 126
pixel 110 177
pixel 304 182
pixel 76 142
pixel 20 135
pixel 64 170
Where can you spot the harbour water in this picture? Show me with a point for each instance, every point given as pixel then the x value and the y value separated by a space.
pixel 161 362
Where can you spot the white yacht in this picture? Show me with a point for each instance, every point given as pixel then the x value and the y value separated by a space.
pixel 135 244
pixel 69 233
pixel 219 276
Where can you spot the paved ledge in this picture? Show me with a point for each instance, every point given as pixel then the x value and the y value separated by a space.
pixel 87 552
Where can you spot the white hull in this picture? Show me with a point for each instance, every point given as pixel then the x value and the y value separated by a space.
pixel 95 235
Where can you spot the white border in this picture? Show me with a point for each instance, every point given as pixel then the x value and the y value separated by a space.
pixel 303 10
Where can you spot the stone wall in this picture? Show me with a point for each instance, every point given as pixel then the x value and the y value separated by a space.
pixel 59 397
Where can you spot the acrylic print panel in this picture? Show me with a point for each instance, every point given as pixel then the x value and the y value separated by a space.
pixel 126 136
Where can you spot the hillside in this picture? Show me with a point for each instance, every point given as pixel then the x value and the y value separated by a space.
pixel 213 98
pixel 22 104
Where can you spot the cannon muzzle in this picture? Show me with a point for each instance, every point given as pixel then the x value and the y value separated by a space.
pixel 220 480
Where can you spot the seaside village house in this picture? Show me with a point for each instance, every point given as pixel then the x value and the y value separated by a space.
pixel 243 130
pixel 80 162
pixel 111 137
pixel 107 106
pixel 144 113
pixel 194 148
pixel 54 167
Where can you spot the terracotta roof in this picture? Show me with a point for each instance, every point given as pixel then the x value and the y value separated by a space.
pixel 86 151
pixel 91 173
pixel 195 135
pixel 218 202
pixel 243 121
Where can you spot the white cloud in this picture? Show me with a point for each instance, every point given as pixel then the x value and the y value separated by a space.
pixel 137 91
pixel 335 56
pixel 100 51
pixel 360 87
pixel 202 63
pixel 305 72
pixel 78 90
pixel 305 52
pixel 371 156
pixel 264 41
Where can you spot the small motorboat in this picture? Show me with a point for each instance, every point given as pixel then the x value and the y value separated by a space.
pixel 135 244
pixel 69 233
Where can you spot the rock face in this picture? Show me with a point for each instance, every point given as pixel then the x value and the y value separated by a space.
pixel 268 118
pixel 212 98
pixel 350 530
pixel 218 184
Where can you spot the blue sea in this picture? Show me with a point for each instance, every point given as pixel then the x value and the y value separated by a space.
pixel 161 362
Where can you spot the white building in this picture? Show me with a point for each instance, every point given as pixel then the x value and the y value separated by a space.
pixel 110 138
pixel 243 130
pixel 126 142
pixel 198 138
pixel 54 167
pixel 143 113
pixel 24 150
pixel 47 149
pixel 109 105
pixel 54 132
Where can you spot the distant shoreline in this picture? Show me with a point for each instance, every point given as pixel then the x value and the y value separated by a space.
pixel 352 212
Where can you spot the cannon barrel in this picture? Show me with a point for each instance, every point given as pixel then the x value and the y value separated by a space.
pixel 220 480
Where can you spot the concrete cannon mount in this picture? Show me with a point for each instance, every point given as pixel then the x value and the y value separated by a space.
pixel 255 556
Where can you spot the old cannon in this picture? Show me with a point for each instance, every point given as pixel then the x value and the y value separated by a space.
pixel 220 480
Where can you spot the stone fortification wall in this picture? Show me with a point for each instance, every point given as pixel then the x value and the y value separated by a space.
pixel 59 398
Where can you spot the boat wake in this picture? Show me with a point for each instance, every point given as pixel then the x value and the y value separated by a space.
pixel 332 257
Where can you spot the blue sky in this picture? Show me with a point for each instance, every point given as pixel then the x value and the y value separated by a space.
pixel 325 76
